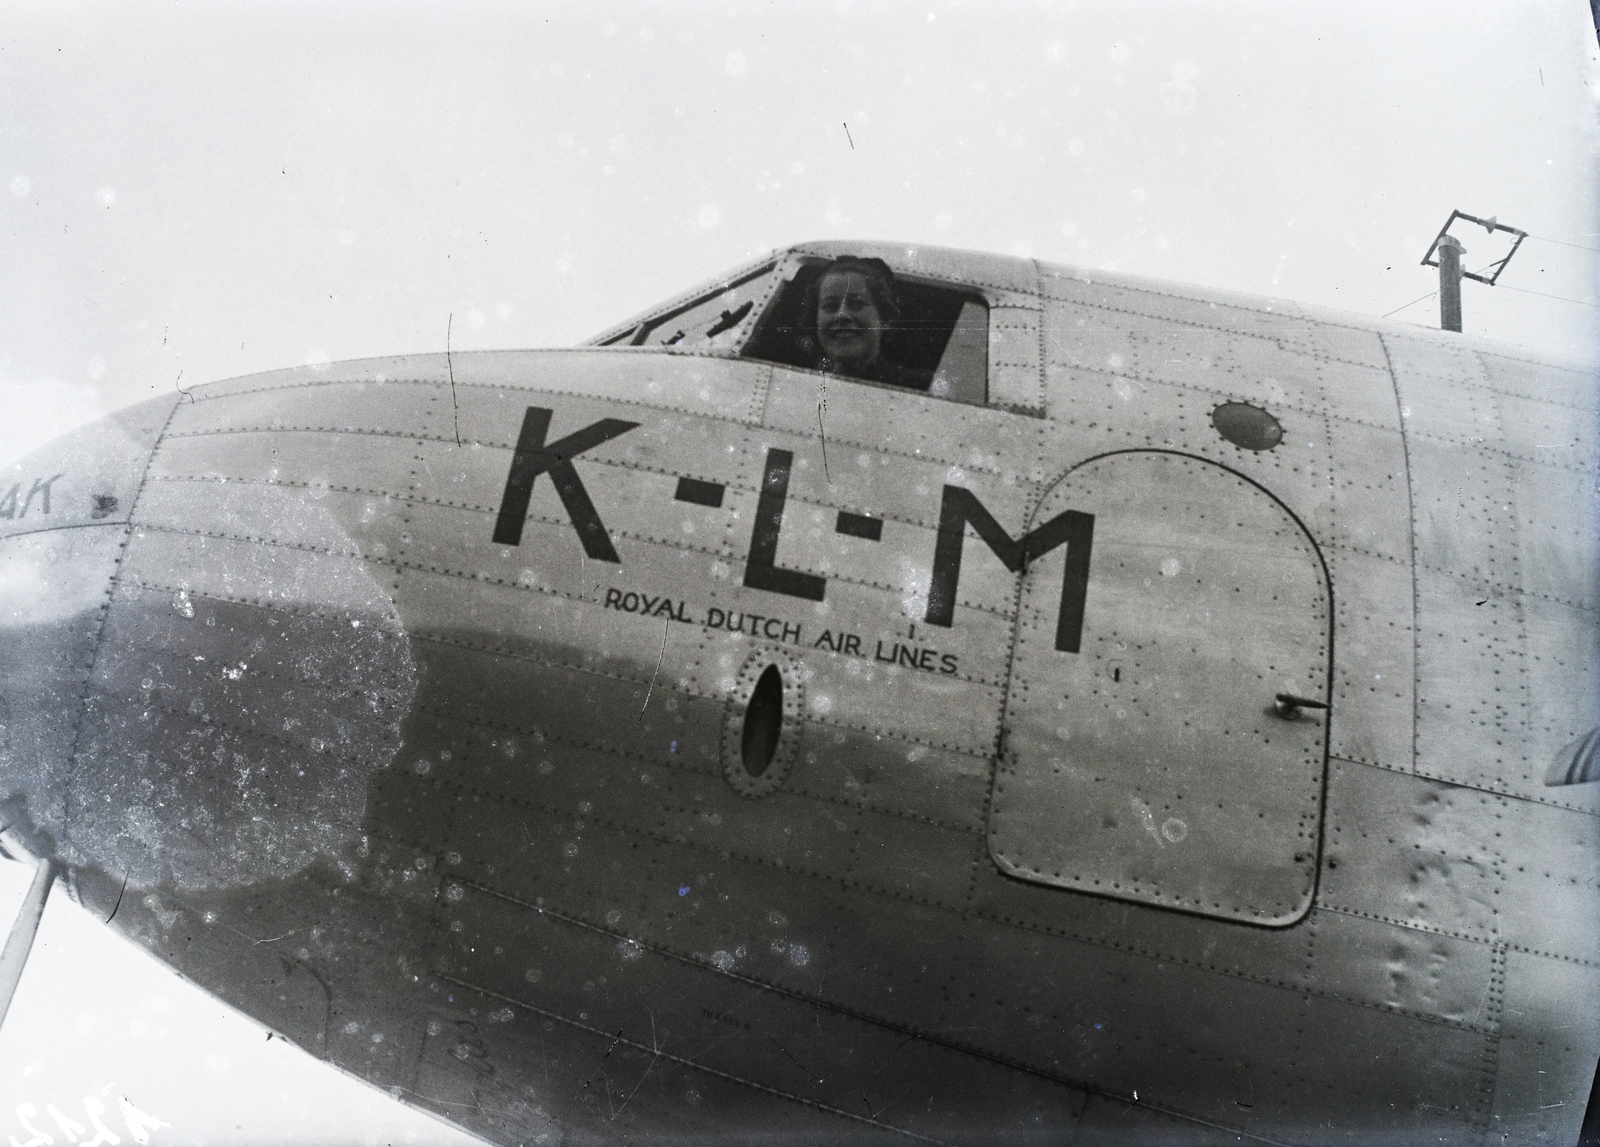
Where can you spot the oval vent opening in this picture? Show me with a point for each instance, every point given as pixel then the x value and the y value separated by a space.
pixel 763 721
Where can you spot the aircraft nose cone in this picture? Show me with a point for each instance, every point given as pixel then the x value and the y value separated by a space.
pixel 200 674
pixel 64 512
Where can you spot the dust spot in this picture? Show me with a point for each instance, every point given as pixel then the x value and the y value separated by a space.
pixel 914 583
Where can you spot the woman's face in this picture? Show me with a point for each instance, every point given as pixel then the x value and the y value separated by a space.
pixel 848 324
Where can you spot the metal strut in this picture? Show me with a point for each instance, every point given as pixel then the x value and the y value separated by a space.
pixel 15 955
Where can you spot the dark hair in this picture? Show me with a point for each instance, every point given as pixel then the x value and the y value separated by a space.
pixel 880 285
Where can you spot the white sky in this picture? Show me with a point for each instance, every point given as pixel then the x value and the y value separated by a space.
pixel 219 190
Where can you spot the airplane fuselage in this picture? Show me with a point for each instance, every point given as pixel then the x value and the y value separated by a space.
pixel 660 742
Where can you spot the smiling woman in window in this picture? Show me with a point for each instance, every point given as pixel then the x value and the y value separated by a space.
pixel 855 306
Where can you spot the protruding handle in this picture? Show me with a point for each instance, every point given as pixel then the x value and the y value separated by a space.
pixel 1288 706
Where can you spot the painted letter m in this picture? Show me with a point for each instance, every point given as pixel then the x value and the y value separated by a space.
pixel 961 508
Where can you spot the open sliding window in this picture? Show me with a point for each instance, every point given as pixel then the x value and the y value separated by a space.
pixel 760 313
pixel 942 331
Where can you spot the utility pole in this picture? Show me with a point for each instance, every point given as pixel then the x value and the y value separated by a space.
pixel 1450 251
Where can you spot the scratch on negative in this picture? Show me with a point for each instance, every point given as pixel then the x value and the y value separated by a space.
pixel 271 939
pixel 822 408
pixel 656 1049
pixel 1483 999
pixel 664 630
pixel 435 1098
pixel 118 904
pixel 450 366
pixel 285 168
pixel 791 1058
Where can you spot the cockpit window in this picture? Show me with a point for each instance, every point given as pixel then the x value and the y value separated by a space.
pixel 938 343
pixel 715 320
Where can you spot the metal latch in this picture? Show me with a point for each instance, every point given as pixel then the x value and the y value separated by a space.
pixel 1288 706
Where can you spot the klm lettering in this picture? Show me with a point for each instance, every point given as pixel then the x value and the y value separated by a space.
pixel 959 511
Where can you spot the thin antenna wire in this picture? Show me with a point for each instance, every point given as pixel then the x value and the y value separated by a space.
pixel 1509 287
pixel 1564 243
pixel 454 409
pixel 1562 298
pixel 1412 303
pixel 1542 295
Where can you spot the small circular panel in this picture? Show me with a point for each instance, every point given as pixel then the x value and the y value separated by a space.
pixel 1247 426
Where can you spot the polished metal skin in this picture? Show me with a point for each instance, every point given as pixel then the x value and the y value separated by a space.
pixel 1176 726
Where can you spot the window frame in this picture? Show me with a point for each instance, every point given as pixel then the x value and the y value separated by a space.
pixel 635 333
pixel 794 263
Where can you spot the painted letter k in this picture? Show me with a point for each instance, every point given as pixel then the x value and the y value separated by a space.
pixel 533 457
